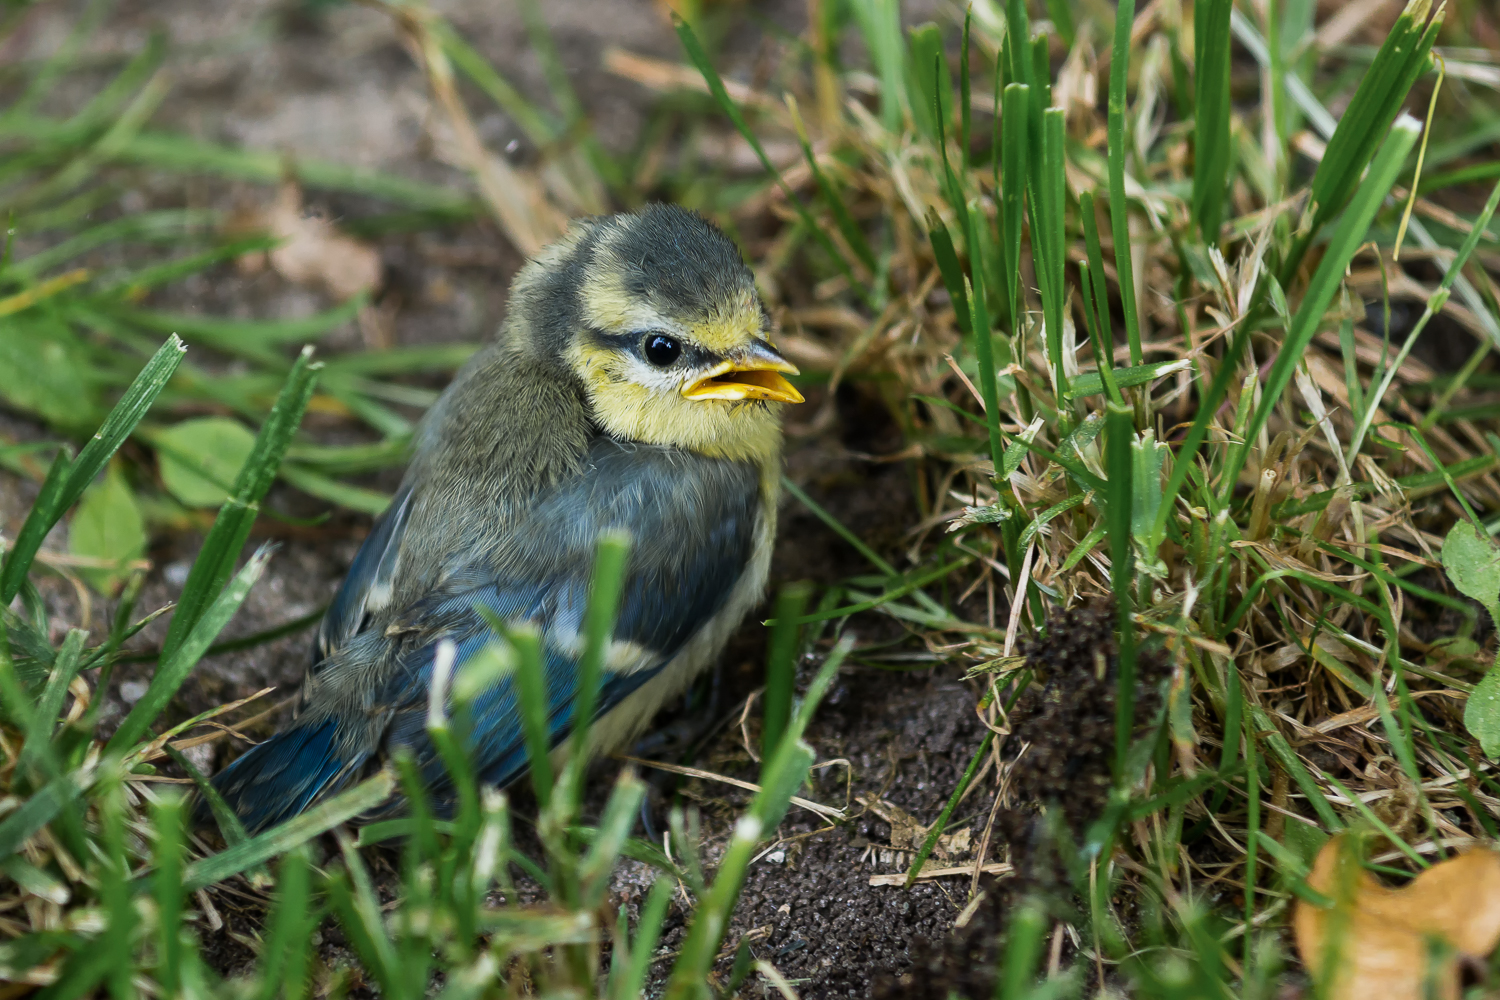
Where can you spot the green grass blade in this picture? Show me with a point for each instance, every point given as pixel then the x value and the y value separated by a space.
pixel 782 777
pixel 880 23
pixel 936 831
pixel 1119 218
pixel 175 667
pixel 1346 240
pixel 79 473
pixel 169 815
pixel 65 667
pixel 230 827
pixel 1376 102
pixel 531 683
pixel 1049 183
pixel 931 92
pixel 1211 147
pixel 215 561
pixel 1023 949
pixel 283 967
pixel 951 271
pixel 358 906
pixel 33 814
pixel 731 110
pixel 1095 256
pixel 965 98
pixel 690 973
pixel 781 667
pixel 299 830
pixel 1015 152
pixel 1292 764
pixel 1120 432
pixel 614 829
pixel 1092 319
pixel 605 587
pixel 631 984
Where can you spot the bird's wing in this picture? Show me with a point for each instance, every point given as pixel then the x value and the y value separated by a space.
pixel 367 588
pixel 693 523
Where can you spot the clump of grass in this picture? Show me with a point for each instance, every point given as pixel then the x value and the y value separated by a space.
pixel 1228 500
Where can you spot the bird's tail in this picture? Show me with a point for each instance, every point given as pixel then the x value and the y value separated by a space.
pixel 287 774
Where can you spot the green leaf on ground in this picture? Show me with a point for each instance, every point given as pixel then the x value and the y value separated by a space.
pixel 44 370
pixel 108 526
pixel 1482 712
pixel 1473 564
pixel 200 458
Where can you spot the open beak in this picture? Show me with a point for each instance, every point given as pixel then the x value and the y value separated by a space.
pixel 751 374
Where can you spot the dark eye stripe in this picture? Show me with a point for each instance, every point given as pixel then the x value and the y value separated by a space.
pixel 634 343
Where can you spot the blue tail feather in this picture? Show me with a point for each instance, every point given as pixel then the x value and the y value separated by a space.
pixel 286 774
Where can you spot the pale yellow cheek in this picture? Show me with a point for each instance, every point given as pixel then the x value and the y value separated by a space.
pixel 631 412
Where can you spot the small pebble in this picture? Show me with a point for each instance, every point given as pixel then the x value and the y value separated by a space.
pixel 132 691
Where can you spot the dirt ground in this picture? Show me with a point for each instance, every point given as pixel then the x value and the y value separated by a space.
pixel 330 80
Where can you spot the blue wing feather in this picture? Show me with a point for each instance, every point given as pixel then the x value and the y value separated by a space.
pixel 286 774
pixel 369 580
pixel 693 537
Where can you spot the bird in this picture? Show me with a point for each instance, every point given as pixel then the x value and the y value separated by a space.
pixel 634 385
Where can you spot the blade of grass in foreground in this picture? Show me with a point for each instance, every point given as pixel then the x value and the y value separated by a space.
pixel 605 586
pixel 631 982
pixel 175 667
pixel 285 955
pixel 1120 432
pixel 299 830
pixel 781 667
pixel 783 775
pixel 225 540
pixel 169 816
pixel 1049 214
pixel 1401 59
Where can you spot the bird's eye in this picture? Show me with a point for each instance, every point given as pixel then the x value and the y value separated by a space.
pixel 661 350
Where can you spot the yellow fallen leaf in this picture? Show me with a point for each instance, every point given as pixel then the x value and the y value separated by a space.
pixel 1383 938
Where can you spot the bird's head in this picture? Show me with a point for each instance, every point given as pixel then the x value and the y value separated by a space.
pixel 659 319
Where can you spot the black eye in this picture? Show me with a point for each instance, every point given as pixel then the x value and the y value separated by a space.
pixel 661 350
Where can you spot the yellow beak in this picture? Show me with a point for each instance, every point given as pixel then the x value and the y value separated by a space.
pixel 751 374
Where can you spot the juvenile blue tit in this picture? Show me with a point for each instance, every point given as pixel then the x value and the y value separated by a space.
pixel 634 386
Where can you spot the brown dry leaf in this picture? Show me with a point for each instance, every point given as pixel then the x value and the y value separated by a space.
pixel 312 250
pixel 908 834
pixel 1383 934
